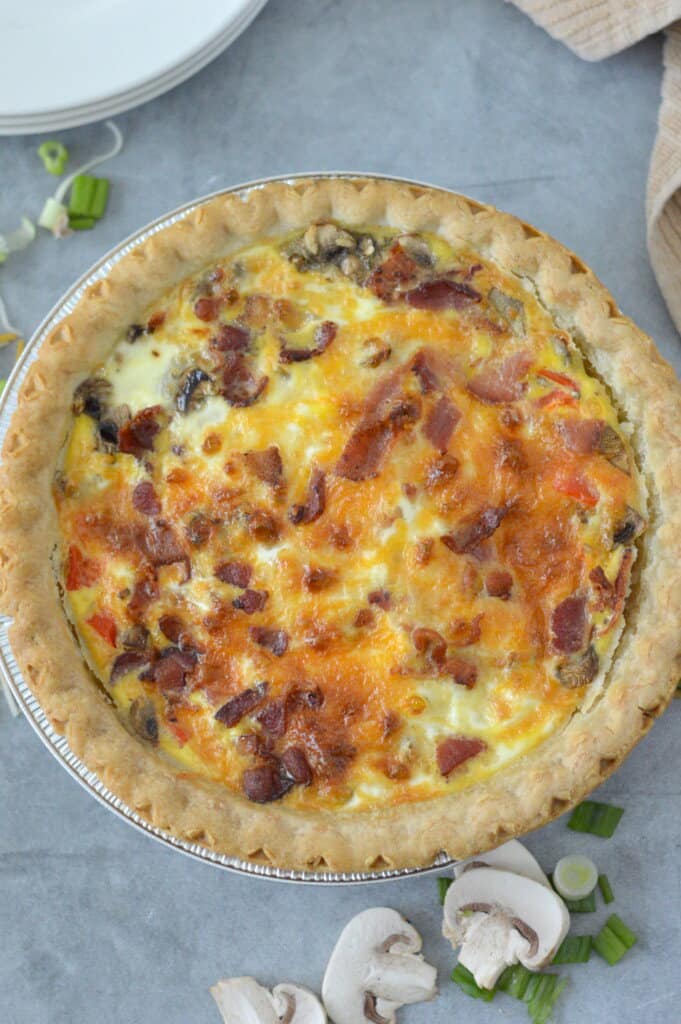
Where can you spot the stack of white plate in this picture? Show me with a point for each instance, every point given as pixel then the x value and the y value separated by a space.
pixel 70 62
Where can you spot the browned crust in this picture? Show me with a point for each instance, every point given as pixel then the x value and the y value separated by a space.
pixel 525 795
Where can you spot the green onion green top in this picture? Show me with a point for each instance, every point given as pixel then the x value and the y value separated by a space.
pixel 597 818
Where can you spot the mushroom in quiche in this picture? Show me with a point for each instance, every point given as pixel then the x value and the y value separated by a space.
pixel 499 918
pixel 244 1001
pixel 511 856
pixel 375 968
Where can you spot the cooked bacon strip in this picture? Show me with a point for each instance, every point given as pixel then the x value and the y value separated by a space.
pixel 137 435
pixel 239 386
pixel 440 423
pixel 569 624
pixel 464 633
pixel 172 627
pixel 581 436
pixel 145 499
pixel 272 718
pixel 169 671
pixel 297 765
pixel 126 662
pixel 144 592
pixel 423 366
pixel 237 573
pixel 442 294
pixel 323 336
pixel 161 544
pixel 620 588
pixel 251 601
pixel 266 783
pixel 429 643
pixel 399 268
pixel 463 672
pixel 363 454
pixel 80 571
pixel 231 338
pixel 470 532
pixel 266 465
pixel 441 471
pixel 502 382
pixel 263 526
pixel 455 750
pixel 233 711
pixel 274 640
pixel 387 411
pixel 315 500
pixel 603 589
pixel 499 583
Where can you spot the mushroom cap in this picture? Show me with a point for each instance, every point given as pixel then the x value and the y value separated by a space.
pixel 244 1001
pixel 511 856
pixel 513 899
pixel 377 953
pixel 303 1005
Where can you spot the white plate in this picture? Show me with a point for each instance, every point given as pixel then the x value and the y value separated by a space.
pixel 90 59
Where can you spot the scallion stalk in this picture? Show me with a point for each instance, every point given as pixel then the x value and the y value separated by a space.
pixel 613 940
pixel 443 885
pixel 596 818
pixel 606 889
pixel 574 949
pixel 462 977
pixel 514 981
pixel 541 1001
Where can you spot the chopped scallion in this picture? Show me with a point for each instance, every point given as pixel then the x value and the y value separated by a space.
pixel 613 940
pixel 442 885
pixel 54 156
pixel 596 818
pixel 81 223
pixel 542 999
pixel 583 906
pixel 574 949
pixel 606 889
pixel 465 980
pixel 54 217
pixel 514 981
pixel 82 195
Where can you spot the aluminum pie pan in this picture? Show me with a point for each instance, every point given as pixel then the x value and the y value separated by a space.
pixel 9 669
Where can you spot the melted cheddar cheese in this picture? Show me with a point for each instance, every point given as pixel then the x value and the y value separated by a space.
pixel 347 521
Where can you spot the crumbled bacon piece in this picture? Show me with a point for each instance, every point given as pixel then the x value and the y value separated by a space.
pixel 137 435
pixel 499 583
pixel 207 307
pixel 297 765
pixel 239 386
pixel 251 601
pixel 198 529
pixel 453 751
pixel 387 412
pixel 315 500
pixel 423 367
pixel 569 624
pixel 443 294
pixel 441 422
pixel 316 578
pixel 266 783
pixel 381 598
pixel 323 336
pixel 266 465
pixel 169 671
pixel 272 718
pixel 172 627
pixel 161 544
pixel 441 471
pixel 463 672
pixel 470 532
pixel 237 573
pixel 231 338
pixel 464 632
pixel 399 268
pixel 423 551
pixel 263 526
pixel 581 436
pixel 502 382
pixel 144 592
pixel 242 704
pixel 127 662
pixel 364 617
pixel 145 499
pixel 431 644
pixel 274 640
pixel 312 698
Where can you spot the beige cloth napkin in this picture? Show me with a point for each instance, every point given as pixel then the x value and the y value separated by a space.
pixel 598 28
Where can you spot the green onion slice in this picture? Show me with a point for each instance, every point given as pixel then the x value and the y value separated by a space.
pixel 613 940
pixel 596 818
pixel 575 876
pixel 81 223
pixel 514 981
pixel 442 885
pixel 18 239
pixel 54 156
pixel 542 998
pixel 574 949
pixel 606 889
pixel 465 980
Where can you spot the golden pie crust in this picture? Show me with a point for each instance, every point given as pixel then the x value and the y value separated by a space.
pixel 528 792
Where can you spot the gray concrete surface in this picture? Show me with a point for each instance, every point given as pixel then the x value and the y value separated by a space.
pixel 98 922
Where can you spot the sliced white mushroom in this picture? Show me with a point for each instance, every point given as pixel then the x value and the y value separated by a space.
pixel 499 918
pixel 244 1001
pixel 512 856
pixel 375 968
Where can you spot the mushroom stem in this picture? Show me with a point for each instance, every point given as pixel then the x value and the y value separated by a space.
pixel 400 979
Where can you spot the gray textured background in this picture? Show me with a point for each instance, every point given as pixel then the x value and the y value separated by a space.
pixel 99 923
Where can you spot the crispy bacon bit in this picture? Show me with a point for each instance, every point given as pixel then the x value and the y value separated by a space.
pixel 316 578
pixel 239 386
pixel 172 627
pixel 231 338
pixel 272 718
pixel 266 783
pixel 263 526
pixel 422 367
pixel 105 625
pixel 499 583
pixel 137 435
pixel 440 423
pixel 442 294
pixel 297 765
pixel 581 436
pixel 145 499
pixel 502 382
pixel 569 624
pixel 465 633
pixel 127 662
pixel 169 671
pixel 429 643
pixel 441 471
pixel 251 601
pixel 81 571
pixel 364 617
pixel 198 529
pixel 387 414
pixel 266 465
pixel 455 750
pixel 312 698
pixel 274 640
pixel 380 598
pixel 463 672
pixel 237 573
pixel 315 500
pixel 470 532
pixel 233 711
pixel 398 269
pixel 207 307
pixel 161 544
pixel 144 592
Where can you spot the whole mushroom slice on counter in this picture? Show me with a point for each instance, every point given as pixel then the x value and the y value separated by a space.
pixel 244 1001
pixel 376 968
pixel 499 918
pixel 511 856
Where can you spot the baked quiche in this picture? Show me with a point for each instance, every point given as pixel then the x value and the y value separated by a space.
pixel 340 527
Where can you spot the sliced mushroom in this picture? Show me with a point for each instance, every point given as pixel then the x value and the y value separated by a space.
pixel 629 528
pixel 512 311
pixel 579 669
pixel 244 1001
pixel 143 719
pixel 327 239
pixel 511 856
pixel 375 968
pixel 612 447
pixel 91 397
pixel 187 397
pixel 499 918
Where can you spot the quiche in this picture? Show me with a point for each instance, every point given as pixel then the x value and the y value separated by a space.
pixel 340 527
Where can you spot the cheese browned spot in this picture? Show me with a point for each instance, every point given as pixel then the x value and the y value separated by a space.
pixel 346 520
